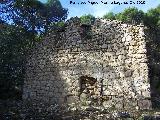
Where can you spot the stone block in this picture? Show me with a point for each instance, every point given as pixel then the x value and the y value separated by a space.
pixel 144 104
pixel 116 53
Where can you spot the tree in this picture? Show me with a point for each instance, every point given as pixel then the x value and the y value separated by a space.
pixel 131 15
pixel 109 15
pixel 21 24
pixel 33 15
pixel 56 14
pixel 28 14
pixel 87 19
pixel 153 17
pixel 14 44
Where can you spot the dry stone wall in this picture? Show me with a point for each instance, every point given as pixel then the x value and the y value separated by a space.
pixel 114 55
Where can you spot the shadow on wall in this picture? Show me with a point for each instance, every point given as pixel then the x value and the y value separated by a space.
pixel 153 54
pixel 95 62
pixel 43 79
pixel 54 70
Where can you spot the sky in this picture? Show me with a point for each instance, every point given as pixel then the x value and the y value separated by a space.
pixel 100 9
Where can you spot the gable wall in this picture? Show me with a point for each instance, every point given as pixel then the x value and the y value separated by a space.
pixel 115 53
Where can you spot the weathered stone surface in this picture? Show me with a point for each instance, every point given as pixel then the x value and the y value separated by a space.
pixel 114 54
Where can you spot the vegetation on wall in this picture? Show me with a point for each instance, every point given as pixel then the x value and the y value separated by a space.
pixel 87 19
pixel 110 16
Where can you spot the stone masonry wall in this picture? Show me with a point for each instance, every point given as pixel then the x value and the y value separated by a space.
pixel 115 55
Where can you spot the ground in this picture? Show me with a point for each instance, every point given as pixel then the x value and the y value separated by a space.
pixel 19 110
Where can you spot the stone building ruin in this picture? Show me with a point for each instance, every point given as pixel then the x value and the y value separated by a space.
pixel 104 63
